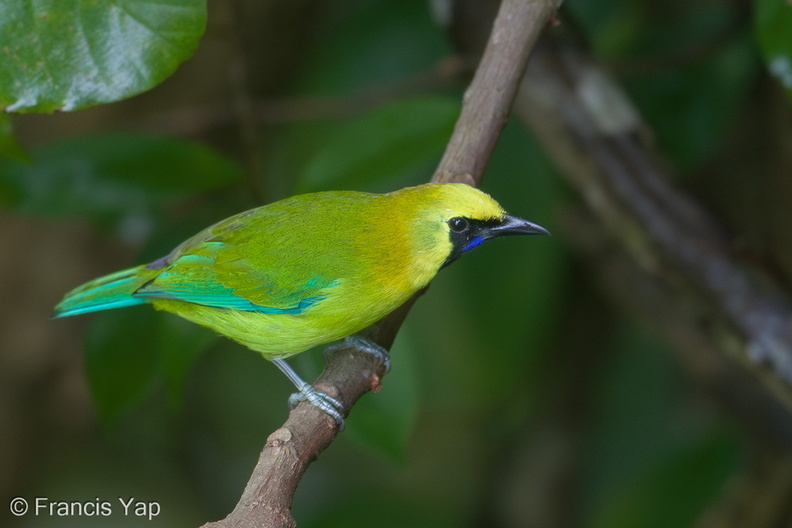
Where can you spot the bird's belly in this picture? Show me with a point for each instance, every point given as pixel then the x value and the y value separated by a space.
pixel 277 335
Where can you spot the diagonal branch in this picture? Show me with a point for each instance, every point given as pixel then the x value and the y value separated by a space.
pixel 595 136
pixel 488 99
pixel 267 498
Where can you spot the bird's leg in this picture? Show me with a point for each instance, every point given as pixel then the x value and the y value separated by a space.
pixel 308 392
pixel 323 400
pixel 359 342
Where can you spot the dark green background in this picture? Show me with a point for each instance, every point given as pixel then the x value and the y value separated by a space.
pixel 519 392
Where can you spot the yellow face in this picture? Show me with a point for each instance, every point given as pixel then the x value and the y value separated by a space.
pixel 428 210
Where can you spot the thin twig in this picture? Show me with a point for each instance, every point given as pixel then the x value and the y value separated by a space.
pixel 267 498
pixel 196 121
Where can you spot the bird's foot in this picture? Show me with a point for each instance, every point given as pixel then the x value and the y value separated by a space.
pixel 359 342
pixel 319 399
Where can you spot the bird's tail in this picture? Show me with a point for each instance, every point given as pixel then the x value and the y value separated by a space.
pixel 111 291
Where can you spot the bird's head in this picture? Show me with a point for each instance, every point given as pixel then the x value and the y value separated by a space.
pixel 453 218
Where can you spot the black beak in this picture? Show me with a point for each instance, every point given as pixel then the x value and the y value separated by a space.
pixel 478 231
pixel 513 225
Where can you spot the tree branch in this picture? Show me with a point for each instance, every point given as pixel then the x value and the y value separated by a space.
pixel 488 99
pixel 596 138
pixel 267 498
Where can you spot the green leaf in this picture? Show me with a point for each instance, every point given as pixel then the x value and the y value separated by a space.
pixel 121 359
pixel 9 146
pixel 404 32
pixel 692 108
pixel 773 28
pixel 385 143
pixel 651 463
pixel 182 344
pixel 58 55
pixel 352 65
pixel 116 180
pixel 676 489
pixel 129 352
pixel 385 420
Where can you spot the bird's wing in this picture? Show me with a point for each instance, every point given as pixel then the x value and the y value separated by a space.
pixel 213 270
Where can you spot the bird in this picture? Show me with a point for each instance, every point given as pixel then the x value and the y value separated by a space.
pixel 309 270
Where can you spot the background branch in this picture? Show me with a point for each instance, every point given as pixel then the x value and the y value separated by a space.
pixel 662 255
pixel 267 498
pixel 205 118
pixel 597 139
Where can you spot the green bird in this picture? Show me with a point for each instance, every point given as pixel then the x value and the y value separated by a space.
pixel 308 270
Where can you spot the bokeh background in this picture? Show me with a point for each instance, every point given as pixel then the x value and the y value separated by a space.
pixel 521 393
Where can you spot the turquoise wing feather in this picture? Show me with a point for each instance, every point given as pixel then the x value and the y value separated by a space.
pixel 197 279
pixel 229 267
pixel 111 291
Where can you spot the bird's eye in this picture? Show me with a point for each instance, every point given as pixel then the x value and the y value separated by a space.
pixel 458 224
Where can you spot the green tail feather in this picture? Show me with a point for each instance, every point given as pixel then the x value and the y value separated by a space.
pixel 111 291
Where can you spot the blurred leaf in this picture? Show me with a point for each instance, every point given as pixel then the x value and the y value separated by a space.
pixel 382 144
pixel 688 66
pixel 610 27
pixel 129 351
pixel 385 420
pixel 116 180
pixel 11 194
pixel 107 467
pixel 773 28
pixel 183 343
pixel 9 146
pixel 656 459
pixel 121 359
pixel 677 489
pixel 402 32
pixel 359 508
pixel 692 108
pixel 58 55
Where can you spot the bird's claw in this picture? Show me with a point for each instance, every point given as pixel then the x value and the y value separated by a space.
pixel 361 343
pixel 319 399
